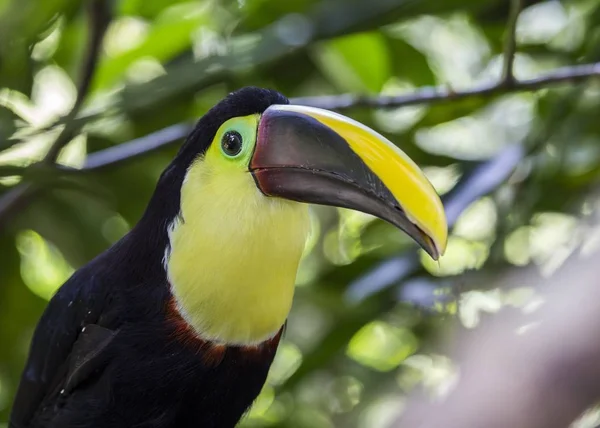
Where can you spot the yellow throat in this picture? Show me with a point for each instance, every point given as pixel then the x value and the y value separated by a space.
pixel 234 253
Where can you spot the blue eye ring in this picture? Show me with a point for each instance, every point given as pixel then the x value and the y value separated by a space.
pixel 232 143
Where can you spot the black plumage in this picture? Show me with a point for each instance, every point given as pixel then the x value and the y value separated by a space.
pixel 110 351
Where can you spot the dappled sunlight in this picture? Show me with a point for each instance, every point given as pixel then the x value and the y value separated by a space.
pixel 53 94
pixel 382 346
pixel 125 34
pixel 309 269
pixel 138 48
pixel 521 297
pixel 43 267
pixel 74 153
pixel 590 419
pixel 435 373
pixel 399 119
pixel 456 50
pixel 111 125
pixel 525 67
pixel 208 42
pixel 144 70
pixel 342 244
pixel 540 23
pixel 590 241
pixel 349 72
pixel 583 158
pixel 10 180
pixel 44 49
pixel 547 241
pixel 382 412
pixel 267 410
pixel 19 104
pixel 262 404
pixel 307 324
pixel 34 146
pixel 461 255
pixel 516 246
pixel 314 234
pixel 443 179
pixel 345 394
pixel 310 263
pixel 480 136
pixel 33 149
pixel 553 237
pixel 478 221
pixel 472 303
pixel 287 361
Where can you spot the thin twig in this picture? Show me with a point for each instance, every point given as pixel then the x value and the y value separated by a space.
pixel 134 148
pixel 100 16
pixel 510 42
pixel 430 95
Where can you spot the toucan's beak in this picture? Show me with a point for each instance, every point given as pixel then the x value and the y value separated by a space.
pixel 320 157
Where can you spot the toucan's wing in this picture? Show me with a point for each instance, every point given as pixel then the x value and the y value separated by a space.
pixel 61 355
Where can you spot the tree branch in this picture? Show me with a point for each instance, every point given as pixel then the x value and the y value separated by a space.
pixel 510 43
pixel 135 148
pixel 99 16
pixel 430 95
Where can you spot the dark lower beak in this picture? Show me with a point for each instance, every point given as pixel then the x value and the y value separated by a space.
pixel 316 156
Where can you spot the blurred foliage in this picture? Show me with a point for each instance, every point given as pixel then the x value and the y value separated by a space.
pixel 367 310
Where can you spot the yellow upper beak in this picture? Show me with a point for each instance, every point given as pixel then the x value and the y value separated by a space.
pixel 318 156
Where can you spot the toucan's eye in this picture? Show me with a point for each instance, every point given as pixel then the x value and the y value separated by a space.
pixel 231 143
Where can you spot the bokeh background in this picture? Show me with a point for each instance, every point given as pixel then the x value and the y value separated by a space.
pixel 515 168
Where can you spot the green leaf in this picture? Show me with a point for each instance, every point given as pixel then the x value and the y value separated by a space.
pixel 148 9
pixel 170 35
pixel 20 26
pixel 382 346
pixel 358 62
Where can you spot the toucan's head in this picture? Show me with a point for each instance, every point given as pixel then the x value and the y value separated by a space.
pixel 250 166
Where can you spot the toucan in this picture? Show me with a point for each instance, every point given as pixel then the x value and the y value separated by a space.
pixel 177 324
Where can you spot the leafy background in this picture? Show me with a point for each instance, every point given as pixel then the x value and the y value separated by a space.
pixel 514 167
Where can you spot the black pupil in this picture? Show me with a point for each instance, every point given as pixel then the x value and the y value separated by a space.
pixel 232 143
